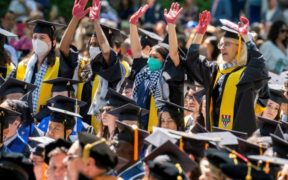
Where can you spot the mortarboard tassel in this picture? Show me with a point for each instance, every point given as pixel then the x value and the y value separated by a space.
pixel 178 166
pixel 248 176
pixel 260 149
pixel 181 144
pixel 239 48
pixel 135 128
pixel 266 169
pixel 234 157
pixel 206 146
pixel 88 147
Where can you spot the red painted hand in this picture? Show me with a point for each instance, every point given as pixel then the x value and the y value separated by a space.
pixel 204 20
pixel 243 26
pixel 135 17
pixel 173 13
pixel 95 10
pixel 78 8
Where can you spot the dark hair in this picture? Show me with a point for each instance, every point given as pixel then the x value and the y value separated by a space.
pixel 5 58
pixel 213 41
pixel 275 30
pixel 161 50
pixel 177 118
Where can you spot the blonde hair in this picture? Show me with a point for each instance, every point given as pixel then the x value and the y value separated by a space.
pixel 243 54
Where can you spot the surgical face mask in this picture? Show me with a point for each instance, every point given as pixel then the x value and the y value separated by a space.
pixel 154 64
pixel 94 51
pixel 40 47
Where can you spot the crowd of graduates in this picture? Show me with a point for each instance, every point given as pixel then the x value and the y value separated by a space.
pixel 142 106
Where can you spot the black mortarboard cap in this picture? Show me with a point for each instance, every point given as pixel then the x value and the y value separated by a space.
pixel 6 33
pixel 160 136
pixel 221 138
pixel 113 35
pixel 60 143
pixel 229 29
pixel 270 159
pixel 175 154
pixel 67 103
pixel 279 132
pixel 97 148
pixel 62 84
pixel 278 96
pixel 198 128
pixel 46 27
pixel 44 111
pixel 12 85
pixel 248 148
pixel 39 150
pixel 240 172
pixel 6 116
pixel 280 146
pixel 242 135
pixel 217 157
pixel 129 112
pixel 116 99
pixel 15 166
pixel 167 170
pixel 149 38
pixel 267 126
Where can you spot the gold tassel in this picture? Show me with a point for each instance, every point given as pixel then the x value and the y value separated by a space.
pixel 178 166
pixel 234 157
pixel 135 128
pixel 181 144
pixel 248 176
pixel 88 147
pixel 260 149
pixel 239 48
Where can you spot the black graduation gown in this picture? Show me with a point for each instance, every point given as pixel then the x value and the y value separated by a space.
pixel 254 77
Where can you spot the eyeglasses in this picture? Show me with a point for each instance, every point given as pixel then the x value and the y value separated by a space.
pixel 105 110
pixel 284 31
pixel 225 44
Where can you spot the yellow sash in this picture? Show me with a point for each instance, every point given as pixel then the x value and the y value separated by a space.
pixel 226 115
pixel 153 116
pixel 45 89
pixel 259 109
pixel 10 68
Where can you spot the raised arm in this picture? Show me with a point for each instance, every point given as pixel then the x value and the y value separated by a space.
pixel 101 38
pixel 134 36
pixel 78 12
pixel 171 17
pixel 204 20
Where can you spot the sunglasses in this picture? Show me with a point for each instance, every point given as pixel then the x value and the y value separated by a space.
pixel 105 110
pixel 284 30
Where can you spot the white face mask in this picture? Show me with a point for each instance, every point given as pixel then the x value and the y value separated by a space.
pixel 94 51
pixel 40 47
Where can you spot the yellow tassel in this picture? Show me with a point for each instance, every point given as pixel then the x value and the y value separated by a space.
pixel 135 128
pixel 248 176
pixel 239 48
pixel 266 169
pixel 234 157
pixel 260 149
pixel 88 147
pixel 178 166
pixel 181 144
pixel 206 146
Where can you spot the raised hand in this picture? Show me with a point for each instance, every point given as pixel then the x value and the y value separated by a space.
pixel 204 20
pixel 141 11
pixel 243 26
pixel 173 13
pixel 95 10
pixel 78 8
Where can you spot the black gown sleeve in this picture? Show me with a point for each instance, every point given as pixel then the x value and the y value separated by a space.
pixel 68 64
pixel 138 64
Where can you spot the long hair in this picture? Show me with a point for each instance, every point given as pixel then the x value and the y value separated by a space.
pixel 275 30
pixel 5 58
pixel 243 55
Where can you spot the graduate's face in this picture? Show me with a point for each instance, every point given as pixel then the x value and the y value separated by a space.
pixel 56 169
pixel 271 110
pixel 228 49
pixel 192 104
pixel 56 130
pixel 107 119
pixel 283 33
pixel 15 96
pixel 167 122
pixel 156 55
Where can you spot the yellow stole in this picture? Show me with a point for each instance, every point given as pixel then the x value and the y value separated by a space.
pixel 153 116
pixel 45 89
pixel 226 116
pixel 10 68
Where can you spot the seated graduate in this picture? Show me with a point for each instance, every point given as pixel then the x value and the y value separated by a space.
pixel 43 64
pixel 239 73
pixel 62 87
pixel 62 117
pixel 154 76
pixel 6 115
pixel 91 157
pixel 12 121
pixel 6 64
pixel 13 88
pixel 108 128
